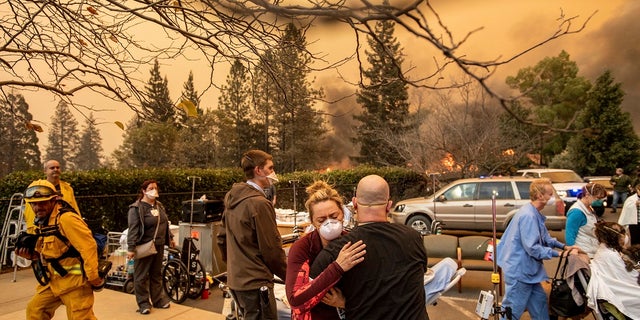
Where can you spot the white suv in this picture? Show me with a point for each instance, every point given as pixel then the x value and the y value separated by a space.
pixel 566 182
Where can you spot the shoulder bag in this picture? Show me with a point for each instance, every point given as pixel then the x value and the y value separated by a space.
pixel 148 248
pixel 561 301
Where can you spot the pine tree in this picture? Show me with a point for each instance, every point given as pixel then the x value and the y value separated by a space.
pixel 264 87
pixel 196 145
pixel 157 107
pixel 152 144
pixel 609 140
pixel 236 132
pixel 63 138
pixel 384 100
pixel 190 94
pixel 20 143
pixel 296 130
pixel 90 150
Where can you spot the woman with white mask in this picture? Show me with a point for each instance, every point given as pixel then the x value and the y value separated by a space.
pixel 581 219
pixel 148 221
pixel 317 299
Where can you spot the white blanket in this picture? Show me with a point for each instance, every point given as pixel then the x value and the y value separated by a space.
pixel 610 281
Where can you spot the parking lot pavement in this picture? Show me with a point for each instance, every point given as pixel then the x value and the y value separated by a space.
pixel 113 304
pixel 109 304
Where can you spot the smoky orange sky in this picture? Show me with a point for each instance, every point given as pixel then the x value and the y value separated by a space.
pixel 611 41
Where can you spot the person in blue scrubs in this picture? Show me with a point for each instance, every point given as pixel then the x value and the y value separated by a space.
pixel 524 245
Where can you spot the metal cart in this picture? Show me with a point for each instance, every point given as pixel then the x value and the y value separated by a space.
pixel 121 275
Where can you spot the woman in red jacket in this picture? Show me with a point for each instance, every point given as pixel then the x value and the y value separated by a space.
pixel 317 299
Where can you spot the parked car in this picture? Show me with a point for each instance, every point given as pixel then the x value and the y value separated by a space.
pixel 604 181
pixel 566 182
pixel 466 204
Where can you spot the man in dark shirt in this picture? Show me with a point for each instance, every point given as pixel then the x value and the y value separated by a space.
pixel 621 184
pixel 388 284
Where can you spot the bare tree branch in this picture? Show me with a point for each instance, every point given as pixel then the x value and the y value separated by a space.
pixel 65 47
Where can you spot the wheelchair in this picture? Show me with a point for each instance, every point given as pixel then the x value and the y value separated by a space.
pixel 183 274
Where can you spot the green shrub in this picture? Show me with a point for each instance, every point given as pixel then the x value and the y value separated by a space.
pixel 106 194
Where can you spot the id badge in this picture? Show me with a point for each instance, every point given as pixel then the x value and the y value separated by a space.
pixel 154 212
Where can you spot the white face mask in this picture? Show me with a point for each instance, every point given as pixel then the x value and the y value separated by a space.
pixel 627 241
pixel 152 194
pixel 330 229
pixel 551 201
pixel 273 177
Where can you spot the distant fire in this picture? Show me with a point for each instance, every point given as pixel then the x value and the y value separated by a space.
pixel 508 152
pixel 343 164
pixel 448 162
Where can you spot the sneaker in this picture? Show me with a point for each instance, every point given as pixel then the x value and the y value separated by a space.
pixel 166 306
pixel 144 311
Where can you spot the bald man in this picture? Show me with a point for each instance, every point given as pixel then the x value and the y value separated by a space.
pixel 52 171
pixel 388 284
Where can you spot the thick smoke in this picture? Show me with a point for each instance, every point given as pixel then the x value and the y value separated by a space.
pixel 340 121
pixel 615 46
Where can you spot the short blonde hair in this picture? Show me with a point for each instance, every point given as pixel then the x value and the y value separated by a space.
pixel 536 188
pixel 320 191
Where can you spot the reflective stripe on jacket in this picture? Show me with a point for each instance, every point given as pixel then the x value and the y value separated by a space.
pixel 72 227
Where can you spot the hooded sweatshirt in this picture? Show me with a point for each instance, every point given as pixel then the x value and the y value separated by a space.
pixel 250 239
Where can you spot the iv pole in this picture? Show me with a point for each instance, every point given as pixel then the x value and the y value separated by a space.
pixel 495 275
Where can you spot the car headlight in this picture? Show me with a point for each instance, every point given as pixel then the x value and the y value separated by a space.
pixel 399 208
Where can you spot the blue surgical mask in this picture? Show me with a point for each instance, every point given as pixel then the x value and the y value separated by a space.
pixel 597 203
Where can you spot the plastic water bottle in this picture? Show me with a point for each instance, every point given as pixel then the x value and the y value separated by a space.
pixel 130 268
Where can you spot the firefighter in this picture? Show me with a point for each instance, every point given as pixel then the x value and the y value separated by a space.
pixel 52 171
pixel 67 254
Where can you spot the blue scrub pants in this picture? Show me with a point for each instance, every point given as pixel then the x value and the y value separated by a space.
pixel 530 296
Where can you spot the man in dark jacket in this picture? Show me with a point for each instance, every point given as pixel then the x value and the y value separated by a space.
pixel 621 184
pixel 388 284
pixel 250 239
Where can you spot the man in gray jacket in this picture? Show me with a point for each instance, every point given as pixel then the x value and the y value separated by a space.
pixel 249 240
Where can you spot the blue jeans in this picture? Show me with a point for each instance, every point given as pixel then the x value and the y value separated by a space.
pixel 520 296
pixel 622 196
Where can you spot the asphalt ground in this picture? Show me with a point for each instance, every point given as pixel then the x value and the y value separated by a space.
pixel 115 304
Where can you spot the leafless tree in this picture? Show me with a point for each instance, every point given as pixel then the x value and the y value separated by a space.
pixel 458 133
pixel 70 46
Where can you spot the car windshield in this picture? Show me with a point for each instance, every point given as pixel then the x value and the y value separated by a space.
pixel 562 177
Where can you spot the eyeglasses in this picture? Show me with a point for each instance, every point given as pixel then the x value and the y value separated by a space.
pixel 39 192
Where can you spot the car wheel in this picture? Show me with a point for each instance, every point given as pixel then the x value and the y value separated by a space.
pixel 421 224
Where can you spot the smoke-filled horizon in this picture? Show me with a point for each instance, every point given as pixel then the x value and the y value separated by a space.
pixel 609 41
